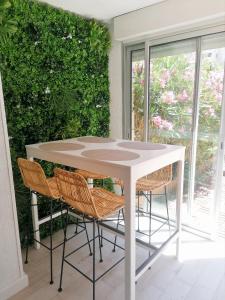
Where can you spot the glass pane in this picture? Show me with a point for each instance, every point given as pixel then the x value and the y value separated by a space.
pixel 137 95
pixel 210 104
pixel 172 75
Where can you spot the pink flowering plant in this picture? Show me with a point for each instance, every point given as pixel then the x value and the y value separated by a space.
pixel 171 103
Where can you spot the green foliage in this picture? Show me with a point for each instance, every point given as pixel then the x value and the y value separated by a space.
pixel 55 81
pixel 7 26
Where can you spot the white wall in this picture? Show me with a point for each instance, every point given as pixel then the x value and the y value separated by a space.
pixel 167 16
pixel 12 277
pixel 164 19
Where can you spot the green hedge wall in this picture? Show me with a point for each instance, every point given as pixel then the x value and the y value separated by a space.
pixel 55 82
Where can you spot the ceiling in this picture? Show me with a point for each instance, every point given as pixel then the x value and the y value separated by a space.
pixel 101 9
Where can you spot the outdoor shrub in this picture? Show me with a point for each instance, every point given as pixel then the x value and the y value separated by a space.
pixel 55 81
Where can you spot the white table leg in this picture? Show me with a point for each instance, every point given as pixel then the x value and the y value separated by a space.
pixel 116 187
pixel 130 243
pixel 90 182
pixel 35 219
pixel 180 182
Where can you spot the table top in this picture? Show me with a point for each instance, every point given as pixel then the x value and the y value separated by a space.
pixel 104 151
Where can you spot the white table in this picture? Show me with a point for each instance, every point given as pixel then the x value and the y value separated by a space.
pixel 125 160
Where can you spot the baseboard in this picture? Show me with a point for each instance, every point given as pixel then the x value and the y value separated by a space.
pixel 17 286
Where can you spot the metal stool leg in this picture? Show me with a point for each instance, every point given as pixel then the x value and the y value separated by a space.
pixel 93 259
pixel 27 245
pixel 61 210
pixel 147 207
pixel 101 237
pixel 138 194
pixel 51 256
pixel 63 254
pixel 76 230
pixel 122 191
pixel 150 221
pixel 89 245
pixel 123 215
pixel 28 233
pixel 167 207
pixel 117 225
pixel 99 242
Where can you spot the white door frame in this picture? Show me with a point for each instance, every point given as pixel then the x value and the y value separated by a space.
pixel 12 277
pixel 219 166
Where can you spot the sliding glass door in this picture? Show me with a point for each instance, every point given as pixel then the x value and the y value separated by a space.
pixel 171 101
pixel 181 85
pixel 208 144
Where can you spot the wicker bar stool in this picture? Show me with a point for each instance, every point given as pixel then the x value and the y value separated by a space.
pixel 95 204
pixel 146 186
pixel 93 176
pixel 34 179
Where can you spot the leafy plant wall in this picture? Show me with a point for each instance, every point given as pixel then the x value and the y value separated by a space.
pixel 55 81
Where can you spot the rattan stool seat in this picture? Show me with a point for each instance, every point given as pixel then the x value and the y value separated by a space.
pixel 106 202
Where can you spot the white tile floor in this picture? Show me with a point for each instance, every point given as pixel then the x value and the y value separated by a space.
pixel 200 275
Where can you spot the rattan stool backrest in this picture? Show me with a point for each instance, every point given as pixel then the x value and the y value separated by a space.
pixel 34 177
pixel 164 174
pixel 74 190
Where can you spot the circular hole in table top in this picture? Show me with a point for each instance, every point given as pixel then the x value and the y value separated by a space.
pixel 141 146
pixel 95 139
pixel 61 146
pixel 110 154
